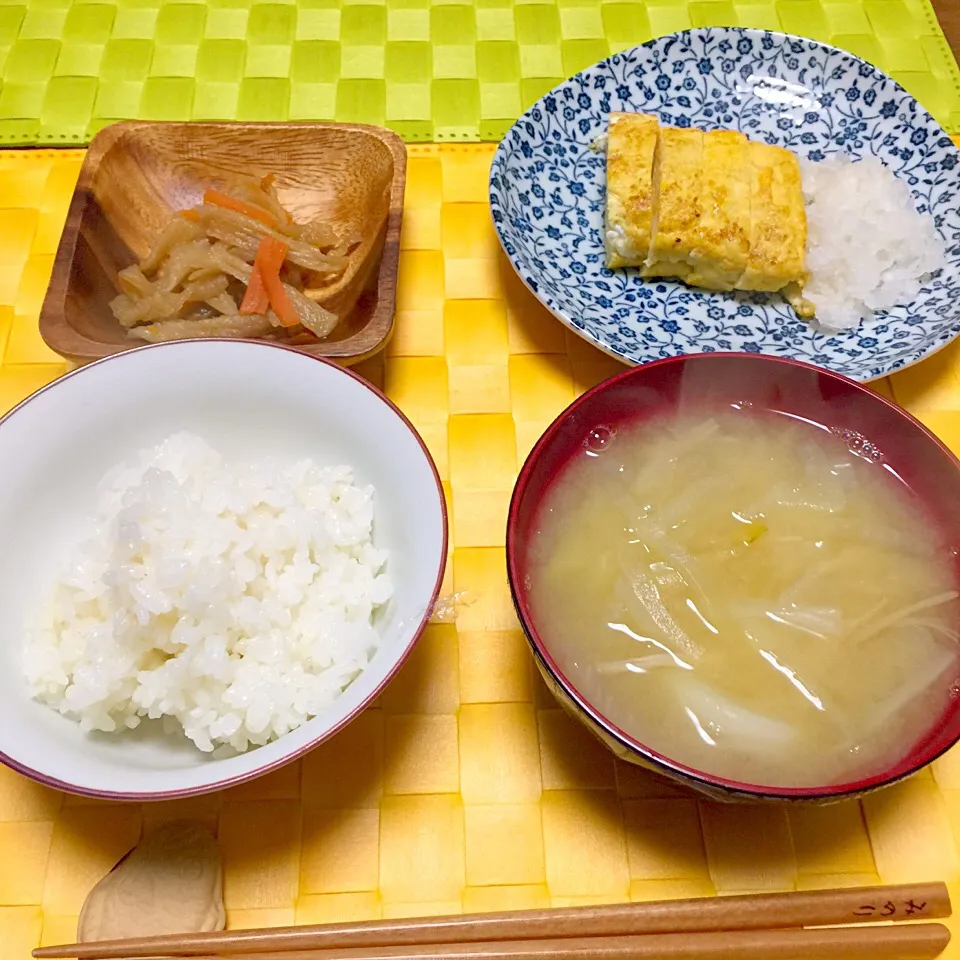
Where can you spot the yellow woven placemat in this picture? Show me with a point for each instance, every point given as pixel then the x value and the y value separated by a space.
pixel 465 788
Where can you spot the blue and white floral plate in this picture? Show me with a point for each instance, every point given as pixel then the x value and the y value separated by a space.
pixel 547 192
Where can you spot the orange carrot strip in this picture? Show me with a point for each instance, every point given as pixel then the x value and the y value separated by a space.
pixel 270 255
pixel 255 299
pixel 190 215
pixel 240 206
pixel 268 261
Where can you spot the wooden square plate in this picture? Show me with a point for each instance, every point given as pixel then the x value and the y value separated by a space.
pixel 137 174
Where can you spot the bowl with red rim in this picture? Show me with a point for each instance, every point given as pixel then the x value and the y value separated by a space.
pixel 921 461
pixel 249 401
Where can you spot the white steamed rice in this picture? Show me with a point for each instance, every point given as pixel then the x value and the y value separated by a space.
pixel 234 601
pixel 868 248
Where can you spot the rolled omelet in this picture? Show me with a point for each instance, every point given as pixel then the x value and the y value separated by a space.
pixel 713 209
pixel 631 145
pixel 678 175
pixel 721 250
pixel 778 225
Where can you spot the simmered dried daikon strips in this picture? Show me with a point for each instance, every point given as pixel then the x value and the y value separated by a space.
pixel 223 303
pixel 318 321
pixel 319 233
pixel 201 265
pixel 152 307
pixel 221 326
pixel 132 281
pixel 180 262
pixel 263 193
pixel 244 232
pixel 176 232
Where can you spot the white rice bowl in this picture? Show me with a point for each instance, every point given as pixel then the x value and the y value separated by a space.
pixel 252 403
pixel 232 601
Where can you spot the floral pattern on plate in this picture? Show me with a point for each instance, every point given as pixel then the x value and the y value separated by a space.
pixel 547 190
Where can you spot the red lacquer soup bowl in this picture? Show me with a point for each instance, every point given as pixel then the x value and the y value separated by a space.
pixel 768 384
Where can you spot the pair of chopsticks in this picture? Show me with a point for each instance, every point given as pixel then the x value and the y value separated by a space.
pixel 776 926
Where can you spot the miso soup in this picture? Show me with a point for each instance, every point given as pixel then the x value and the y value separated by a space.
pixel 749 597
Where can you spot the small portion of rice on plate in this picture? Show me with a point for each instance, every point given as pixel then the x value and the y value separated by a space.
pixel 231 601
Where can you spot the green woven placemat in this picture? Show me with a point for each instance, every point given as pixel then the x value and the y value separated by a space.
pixel 431 71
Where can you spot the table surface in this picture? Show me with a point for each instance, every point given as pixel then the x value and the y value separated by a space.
pixel 476 791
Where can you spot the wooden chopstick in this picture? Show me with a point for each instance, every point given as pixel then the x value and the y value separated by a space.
pixel 925 901
pixel 922 941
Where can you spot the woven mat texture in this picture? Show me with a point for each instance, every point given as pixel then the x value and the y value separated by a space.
pixel 447 70
pixel 465 788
